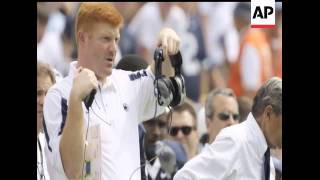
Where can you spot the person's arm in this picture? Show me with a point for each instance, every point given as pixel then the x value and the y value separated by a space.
pixel 204 10
pixel 169 41
pixel 72 138
pixel 148 106
pixel 53 109
pixel 216 161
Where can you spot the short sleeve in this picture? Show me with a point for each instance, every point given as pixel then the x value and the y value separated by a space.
pixel 54 111
pixel 147 100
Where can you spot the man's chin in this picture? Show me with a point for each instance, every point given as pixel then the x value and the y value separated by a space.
pixel 108 72
pixel 104 74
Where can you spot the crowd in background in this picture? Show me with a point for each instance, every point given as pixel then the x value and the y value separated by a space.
pixel 222 55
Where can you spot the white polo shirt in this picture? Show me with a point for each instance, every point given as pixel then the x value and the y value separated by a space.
pixel 125 100
pixel 237 153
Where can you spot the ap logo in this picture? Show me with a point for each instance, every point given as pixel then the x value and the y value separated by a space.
pixel 262 13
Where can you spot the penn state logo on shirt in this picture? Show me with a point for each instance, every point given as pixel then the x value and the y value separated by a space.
pixel 125 107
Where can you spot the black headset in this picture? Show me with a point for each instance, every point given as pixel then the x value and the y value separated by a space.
pixel 169 91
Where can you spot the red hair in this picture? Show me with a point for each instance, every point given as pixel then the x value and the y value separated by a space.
pixel 93 12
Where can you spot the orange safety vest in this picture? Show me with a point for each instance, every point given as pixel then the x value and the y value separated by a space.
pixel 258 39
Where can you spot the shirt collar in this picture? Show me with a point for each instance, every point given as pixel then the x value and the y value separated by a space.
pixel 258 134
pixel 109 79
pixel 72 68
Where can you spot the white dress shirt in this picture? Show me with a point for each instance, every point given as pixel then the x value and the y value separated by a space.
pixel 126 99
pixel 237 153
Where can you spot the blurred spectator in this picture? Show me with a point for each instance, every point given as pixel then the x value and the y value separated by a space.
pixel 277 42
pixel 45 79
pixel 192 49
pixel 127 43
pixel 221 111
pixel 50 47
pixel 254 64
pixel 68 46
pixel 184 128
pixel 195 26
pixel 132 62
pixel 42 21
pixel 181 154
pixel 221 42
pixel 57 16
pixel 71 8
pixel 164 156
pixel 245 105
pixel 241 17
pixel 149 20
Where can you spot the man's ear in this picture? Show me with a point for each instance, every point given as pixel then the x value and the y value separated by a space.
pixel 267 111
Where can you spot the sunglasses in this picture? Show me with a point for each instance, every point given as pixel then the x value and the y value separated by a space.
pixel 186 130
pixel 226 116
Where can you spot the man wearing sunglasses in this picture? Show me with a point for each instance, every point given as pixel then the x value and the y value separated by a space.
pixel 164 156
pixel 183 129
pixel 221 110
pixel 242 151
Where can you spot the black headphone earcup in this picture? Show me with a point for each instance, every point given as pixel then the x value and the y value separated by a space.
pixel 179 90
pixel 165 89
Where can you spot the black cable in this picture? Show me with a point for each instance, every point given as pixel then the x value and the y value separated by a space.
pixel 41 162
pixel 156 105
pixel 104 109
pixel 100 117
pixel 154 116
pixel 97 103
pixel 156 89
pixel 147 161
pixel 156 156
pixel 86 143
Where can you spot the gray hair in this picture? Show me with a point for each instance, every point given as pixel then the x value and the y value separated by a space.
pixel 209 109
pixel 269 94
